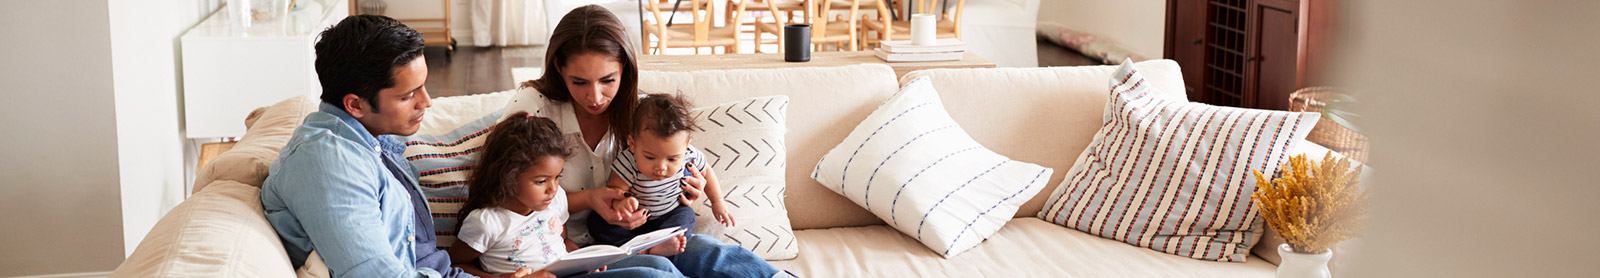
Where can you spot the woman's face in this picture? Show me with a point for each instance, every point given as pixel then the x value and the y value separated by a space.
pixel 593 79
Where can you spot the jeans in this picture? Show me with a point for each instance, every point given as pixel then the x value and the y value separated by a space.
pixel 705 257
pixel 637 266
pixel 605 233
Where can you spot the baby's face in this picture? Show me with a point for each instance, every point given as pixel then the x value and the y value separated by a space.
pixel 659 157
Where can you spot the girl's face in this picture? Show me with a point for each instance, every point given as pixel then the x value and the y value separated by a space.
pixel 592 79
pixel 539 184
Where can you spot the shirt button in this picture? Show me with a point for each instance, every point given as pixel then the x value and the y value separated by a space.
pixel 377 149
pixel 411 238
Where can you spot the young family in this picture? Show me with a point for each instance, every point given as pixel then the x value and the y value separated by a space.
pixel 587 141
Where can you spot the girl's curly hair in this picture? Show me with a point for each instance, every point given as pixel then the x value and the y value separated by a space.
pixel 511 146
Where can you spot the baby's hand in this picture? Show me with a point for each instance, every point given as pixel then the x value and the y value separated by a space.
pixel 720 211
pixel 628 205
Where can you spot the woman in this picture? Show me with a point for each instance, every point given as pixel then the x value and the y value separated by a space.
pixel 589 85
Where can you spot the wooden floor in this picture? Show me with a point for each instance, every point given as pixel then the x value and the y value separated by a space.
pixel 1052 55
pixel 475 70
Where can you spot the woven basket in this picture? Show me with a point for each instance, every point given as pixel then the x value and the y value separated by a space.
pixel 1327 133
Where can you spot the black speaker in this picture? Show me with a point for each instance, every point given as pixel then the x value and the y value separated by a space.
pixel 797 42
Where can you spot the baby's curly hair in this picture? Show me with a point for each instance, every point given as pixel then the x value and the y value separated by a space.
pixel 662 115
pixel 511 146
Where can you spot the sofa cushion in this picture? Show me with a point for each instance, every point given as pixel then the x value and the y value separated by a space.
pixel 219 232
pixel 1174 176
pixel 1059 109
pixel 828 96
pixel 1025 247
pixel 267 130
pixel 743 141
pixel 929 178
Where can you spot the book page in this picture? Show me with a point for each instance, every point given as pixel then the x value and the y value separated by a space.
pixel 586 259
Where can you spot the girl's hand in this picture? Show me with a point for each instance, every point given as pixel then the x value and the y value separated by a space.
pixel 720 211
pixel 521 273
pixel 605 199
pixel 602 268
pixel 693 187
pixel 537 274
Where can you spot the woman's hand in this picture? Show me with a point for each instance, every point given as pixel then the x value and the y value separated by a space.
pixel 604 200
pixel 602 268
pixel 693 187
pixel 720 211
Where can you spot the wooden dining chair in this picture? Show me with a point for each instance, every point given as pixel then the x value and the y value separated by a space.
pixel 790 10
pixel 701 33
pixel 948 26
pixel 840 31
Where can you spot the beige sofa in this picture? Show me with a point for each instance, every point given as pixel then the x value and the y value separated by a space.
pixel 1039 115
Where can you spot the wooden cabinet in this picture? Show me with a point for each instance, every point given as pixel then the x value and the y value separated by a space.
pixel 1244 53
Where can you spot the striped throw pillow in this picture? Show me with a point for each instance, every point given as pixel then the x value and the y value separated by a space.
pixel 442 162
pixel 911 165
pixel 1174 176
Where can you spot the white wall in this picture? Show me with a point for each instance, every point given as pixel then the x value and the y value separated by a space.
pixel 1483 121
pixel 146 75
pixel 1141 25
pixel 59 176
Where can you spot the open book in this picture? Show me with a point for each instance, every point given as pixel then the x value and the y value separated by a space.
pixel 596 256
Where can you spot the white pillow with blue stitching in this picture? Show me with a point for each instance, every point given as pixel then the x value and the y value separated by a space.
pixel 911 165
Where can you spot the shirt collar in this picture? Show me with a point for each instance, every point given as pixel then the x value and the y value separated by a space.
pixel 388 143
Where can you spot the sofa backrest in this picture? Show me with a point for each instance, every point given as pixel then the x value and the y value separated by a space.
pixel 824 105
pixel 1043 116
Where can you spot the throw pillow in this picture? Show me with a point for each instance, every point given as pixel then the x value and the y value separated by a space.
pixel 911 165
pixel 442 161
pixel 743 142
pixel 1174 176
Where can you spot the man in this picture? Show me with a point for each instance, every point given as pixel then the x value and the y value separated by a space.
pixel 340 186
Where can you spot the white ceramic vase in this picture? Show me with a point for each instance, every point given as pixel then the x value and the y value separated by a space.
pixel 1301 265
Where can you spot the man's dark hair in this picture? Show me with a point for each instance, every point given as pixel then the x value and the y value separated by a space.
pixel 358 56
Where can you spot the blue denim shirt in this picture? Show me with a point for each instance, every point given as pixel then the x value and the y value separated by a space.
pixel 330 192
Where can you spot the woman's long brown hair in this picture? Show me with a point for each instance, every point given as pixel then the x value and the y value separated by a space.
pixel 592 29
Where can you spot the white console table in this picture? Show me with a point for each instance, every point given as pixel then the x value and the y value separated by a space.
pixel 230 70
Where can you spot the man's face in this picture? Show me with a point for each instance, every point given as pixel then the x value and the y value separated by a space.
pixel 400 108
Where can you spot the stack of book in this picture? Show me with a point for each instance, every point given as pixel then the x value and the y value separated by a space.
pixel 904 51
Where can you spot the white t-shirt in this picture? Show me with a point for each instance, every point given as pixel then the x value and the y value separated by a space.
pixel 586 168
pixel 509 241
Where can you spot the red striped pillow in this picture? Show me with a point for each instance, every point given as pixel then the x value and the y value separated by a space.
pixel 1174 176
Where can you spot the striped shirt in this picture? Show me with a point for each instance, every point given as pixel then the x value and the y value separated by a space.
pixel 656 196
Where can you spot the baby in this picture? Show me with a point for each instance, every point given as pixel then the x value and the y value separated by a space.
pixel 652 167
